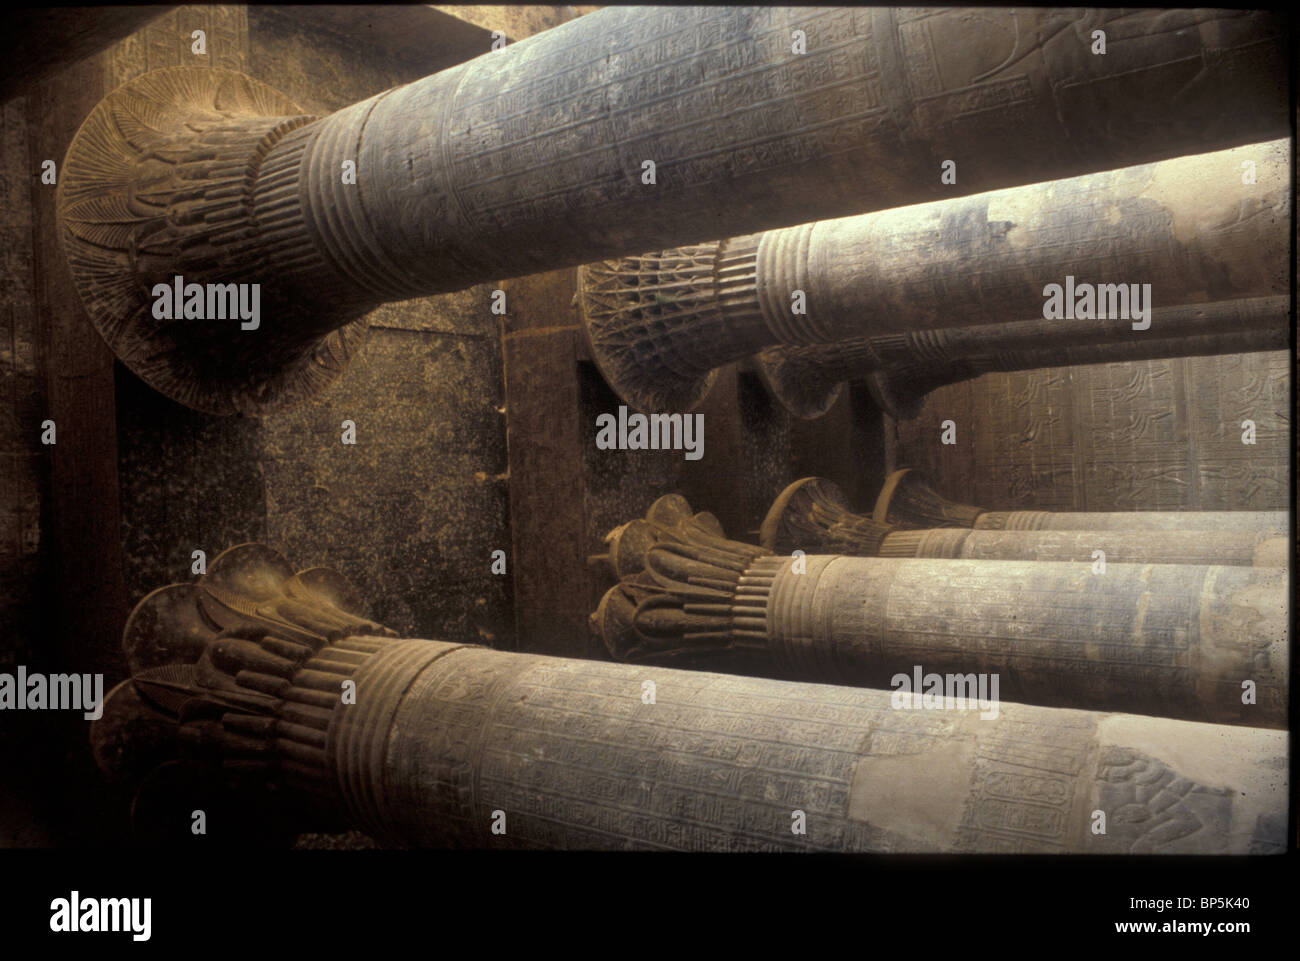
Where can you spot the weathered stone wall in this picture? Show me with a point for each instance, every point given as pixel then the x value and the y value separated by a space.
pixel 24 464
pixel 1153 435
pixel 22 455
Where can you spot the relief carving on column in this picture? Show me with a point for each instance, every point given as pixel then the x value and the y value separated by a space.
pixel 813 515
pixel 245 664
pixel 650 320
pixel 165 178
pixel 908 500
pixel 677 574
pixel 443 737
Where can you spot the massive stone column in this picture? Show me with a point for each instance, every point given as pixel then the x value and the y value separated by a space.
pixel 624 130
pixel 1205 643
pixel 900 370
pixel 1185 231
pixel 450 745
pixel 813 515
pixel 908 500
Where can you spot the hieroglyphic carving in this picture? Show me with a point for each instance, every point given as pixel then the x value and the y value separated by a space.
pixel 1121 461
pixel 1023 794
pixel 1223 393
pixel 1154 807
pixel 168 42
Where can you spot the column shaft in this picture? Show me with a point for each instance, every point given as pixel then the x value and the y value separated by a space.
pixel 812 515
pixel 1273 523
pixel 1178 232
pixel 1223 548
pixel 901 369
pixel 908 500
pixel 566 754
pixel 531 158
pixel 1174 640
pixel 619 131
pixel 1188 227
pixel 1198 642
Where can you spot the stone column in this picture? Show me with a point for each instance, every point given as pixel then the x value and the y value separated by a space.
pixel 1204 643
pixel 813 515
pixel 900 370
pixel 1189 229
pixel 539 156
pixel 908 500
pixel 449 745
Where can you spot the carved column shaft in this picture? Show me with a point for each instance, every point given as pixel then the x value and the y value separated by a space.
pixel 812 515
pixel 529 158
pixel 1167 639
pixel 565 754
pixel 265 678
pixel 1172 640
pixel 466 747
pixel 1221 548
pixel 908 500
pixel 1189 228
pixel 902 369
pixel 533 157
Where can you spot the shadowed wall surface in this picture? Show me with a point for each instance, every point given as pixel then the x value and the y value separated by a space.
pixel 1151 435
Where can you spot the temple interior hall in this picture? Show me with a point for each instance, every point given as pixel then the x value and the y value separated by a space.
pixel 561 427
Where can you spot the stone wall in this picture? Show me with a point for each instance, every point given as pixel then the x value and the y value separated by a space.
pixel 24 464
pixel 1151 435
